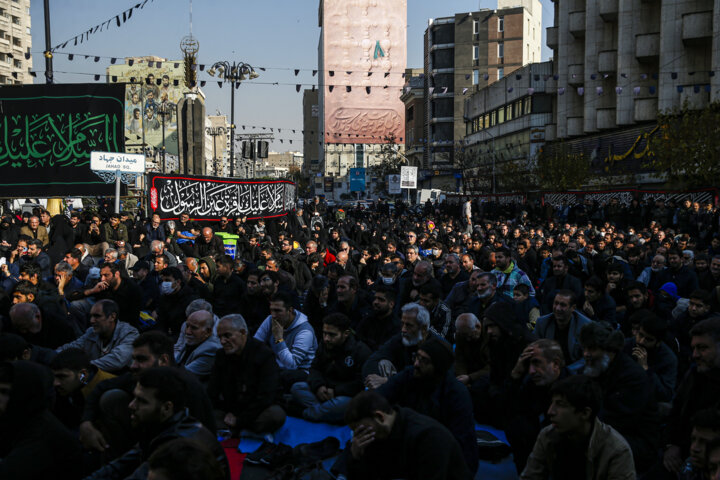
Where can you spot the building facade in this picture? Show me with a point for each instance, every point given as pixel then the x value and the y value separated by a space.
pixel 465 53
pixel 362 57
pixel 505 124
pixel 217 145
pixel 414 99
pixel 621 62
pixel 15 42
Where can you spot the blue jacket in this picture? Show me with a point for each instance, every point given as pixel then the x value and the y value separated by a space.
pixel 546 326
pixel 297 350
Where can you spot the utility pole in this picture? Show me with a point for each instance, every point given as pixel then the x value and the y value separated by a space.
pixel 48 51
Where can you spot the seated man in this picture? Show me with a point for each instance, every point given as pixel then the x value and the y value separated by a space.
pixel 430 388
pixel 291 338
pixel 563 325
pixel 158 414
pixel 397 353
pixel 75 378
pixel 629 405
pixel 527 395
pixel 198 354
pixel 335 376
pixel 399 443
pixel 28 321
pixel 705 430
pixel 381 323
pixel 472 355
pixel 441 322
pixel 35 445
pixel 578 444
pixel 245 381
pixel 106 414
pixel 653 355
pixel 108 341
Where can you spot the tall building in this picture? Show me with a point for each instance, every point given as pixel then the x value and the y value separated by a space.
pixel 15 42
pixel 465 53
pixel 311 135
pixel 362 56
pixel 619 63
pixel 414 99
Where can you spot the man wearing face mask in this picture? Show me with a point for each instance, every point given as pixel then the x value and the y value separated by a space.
pixel 381 323
pixel 487 295
pixel 175 296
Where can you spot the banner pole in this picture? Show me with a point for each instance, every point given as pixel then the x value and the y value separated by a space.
pixel 117 191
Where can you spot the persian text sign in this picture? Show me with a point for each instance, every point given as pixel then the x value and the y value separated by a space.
pixel 112 162
pixel 209 198
pixel 47 133
pixel 626 196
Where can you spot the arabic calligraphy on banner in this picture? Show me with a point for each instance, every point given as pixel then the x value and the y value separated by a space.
pixel 47 133
pixel 627 196
pixel 209 198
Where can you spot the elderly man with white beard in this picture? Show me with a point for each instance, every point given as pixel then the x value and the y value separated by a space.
pixel 628 400
pixel 397 353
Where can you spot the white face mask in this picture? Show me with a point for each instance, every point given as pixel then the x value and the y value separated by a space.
pixel 435 252
pixel 166 288
pixel 388 280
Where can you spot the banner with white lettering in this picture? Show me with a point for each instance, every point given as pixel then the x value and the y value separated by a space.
pixel 624 197
pixel 209 198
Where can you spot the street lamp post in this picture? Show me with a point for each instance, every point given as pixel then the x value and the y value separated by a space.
pixel 233 73
pixel 215 132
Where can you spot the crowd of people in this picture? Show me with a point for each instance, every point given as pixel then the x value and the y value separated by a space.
pixel 588 333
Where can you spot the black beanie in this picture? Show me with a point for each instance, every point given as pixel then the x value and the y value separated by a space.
pixel 440 352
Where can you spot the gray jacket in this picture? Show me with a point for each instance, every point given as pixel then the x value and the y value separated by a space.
pixel 116 356
pixel 201 360
pixel 546 325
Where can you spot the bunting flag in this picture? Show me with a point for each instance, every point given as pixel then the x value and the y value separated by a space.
pixel 581 91
pixel 599 90
pixel 464 91
pixel 561 91
pixel 297 71
pixel 618 90
pixel 120 19
pixel 530 91
pixel 636 91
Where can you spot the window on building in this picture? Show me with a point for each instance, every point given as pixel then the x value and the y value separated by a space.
pixel 501 115
pixel 493 118
pixel 476 52
pixel 410 114
pixel 18 64
pixel 527 105
pixel 501 24
pixel 359 156
pixel 501 73
pixel 509 112
pixel 501 50
pixel 476 77
pixel 476 27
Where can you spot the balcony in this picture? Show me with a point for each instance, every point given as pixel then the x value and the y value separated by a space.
pixel 605 118
pixel 552 37
pixel 646 109
pixel 577 24
pixel 576 74
pixel 697 28
pixel 607 61
pixel 575 126
pixel 647 47
pixel 608 10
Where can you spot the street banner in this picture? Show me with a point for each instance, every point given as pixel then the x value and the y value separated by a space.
pixel 393 182
pixel 628 195
pixel 209 198
pixel 47 133
pixel 357 179
pixel 408 177
pixel 328 184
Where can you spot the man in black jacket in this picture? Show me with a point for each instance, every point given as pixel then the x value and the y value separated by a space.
pixel 175 296
pixel 34 444
pixel 105 425
pixel 208 245
pixel 682 276
pixel 245 384
pixel 381 324
pixel 228 288
pixel 335 375
pixel 399 443
pixel 430 388
pixel 699 390
pixel 629 404
pixel 559 280
pixel 158 414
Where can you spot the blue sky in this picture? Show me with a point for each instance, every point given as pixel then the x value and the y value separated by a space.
pixel 279 35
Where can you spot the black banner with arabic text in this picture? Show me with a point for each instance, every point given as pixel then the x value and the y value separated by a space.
pixel 209 198
pixel 707 195
pixel 47 133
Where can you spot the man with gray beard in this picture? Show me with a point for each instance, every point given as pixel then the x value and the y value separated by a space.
pixel 397 353
pixel 628 401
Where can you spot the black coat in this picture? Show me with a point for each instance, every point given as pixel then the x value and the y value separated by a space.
pixel 418 447
pixel 34 444
pixel 227 294
pixel 247 384
pixel 629 407
pixel 684 278
pixel 699 390
pixel 171 309
pixel 341 369
pixel 374 331
pixel 447 401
